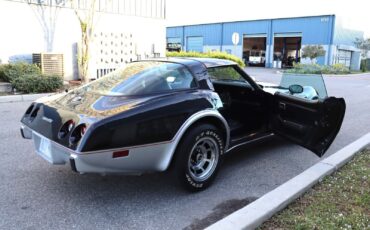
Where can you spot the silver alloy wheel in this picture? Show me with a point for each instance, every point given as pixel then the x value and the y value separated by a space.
pixel 203 158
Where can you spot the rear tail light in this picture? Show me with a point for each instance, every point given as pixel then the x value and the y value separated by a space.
pixel 77 134
pixel 66 128
pixel 118 154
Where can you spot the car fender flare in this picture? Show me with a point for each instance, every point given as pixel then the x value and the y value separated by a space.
pixel 193 119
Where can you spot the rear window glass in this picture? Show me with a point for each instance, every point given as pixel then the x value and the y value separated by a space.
pixel 141 78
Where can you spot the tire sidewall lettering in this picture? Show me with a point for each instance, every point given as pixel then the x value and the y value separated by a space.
pixel 216 136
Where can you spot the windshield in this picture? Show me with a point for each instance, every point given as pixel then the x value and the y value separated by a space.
pixel 141 78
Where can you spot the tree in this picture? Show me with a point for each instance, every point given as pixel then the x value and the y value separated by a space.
pixel 313 51
pixel 47 15
pixel 85 17
pixel 364 46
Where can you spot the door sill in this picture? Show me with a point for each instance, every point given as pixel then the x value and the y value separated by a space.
pixel 250 141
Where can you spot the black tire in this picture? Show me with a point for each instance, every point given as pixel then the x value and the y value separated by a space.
pixel 199 146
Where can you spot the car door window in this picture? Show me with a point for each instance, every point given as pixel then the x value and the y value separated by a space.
pixel 226 74
pixel 313 85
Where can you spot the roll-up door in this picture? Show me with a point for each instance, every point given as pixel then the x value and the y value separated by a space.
pixel 195 44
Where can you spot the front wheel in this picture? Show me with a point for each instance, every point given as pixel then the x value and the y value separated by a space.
pixel 198 157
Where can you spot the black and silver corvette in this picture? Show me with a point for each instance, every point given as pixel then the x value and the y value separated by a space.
pixel 176 114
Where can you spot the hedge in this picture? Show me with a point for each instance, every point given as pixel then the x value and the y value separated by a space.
pixel 30 83
pixel 211 54
pixel 28 78
pixel 9 72
pixel 319 69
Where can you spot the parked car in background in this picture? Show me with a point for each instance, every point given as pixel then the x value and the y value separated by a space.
pixel 177 114
pixel 257 58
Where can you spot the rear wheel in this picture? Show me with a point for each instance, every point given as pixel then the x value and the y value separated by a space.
pixel 198 157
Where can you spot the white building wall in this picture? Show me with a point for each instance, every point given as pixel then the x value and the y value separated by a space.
pixel 355 61
pixel 148 37
pixel 22 34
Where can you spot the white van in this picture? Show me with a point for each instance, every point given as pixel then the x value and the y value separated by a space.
pixel 257 57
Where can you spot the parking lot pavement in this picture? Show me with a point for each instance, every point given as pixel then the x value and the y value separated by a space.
pixel 36 195
pixel 264 74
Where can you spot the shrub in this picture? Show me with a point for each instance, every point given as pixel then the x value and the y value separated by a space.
pixel 28 78
pixel 9 72
pixel 319 69
pixel 211 54
pixel 305 69
pixel 338 69
pixel 35 83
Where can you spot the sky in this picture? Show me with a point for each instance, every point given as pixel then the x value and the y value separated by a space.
pixel 352 14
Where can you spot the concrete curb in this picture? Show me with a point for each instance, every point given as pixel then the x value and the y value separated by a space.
pixel 23 97
pixel 254 214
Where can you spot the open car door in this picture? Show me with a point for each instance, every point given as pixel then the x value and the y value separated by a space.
pixel 310 122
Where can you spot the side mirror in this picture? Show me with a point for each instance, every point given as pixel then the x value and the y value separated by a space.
pixel 294 89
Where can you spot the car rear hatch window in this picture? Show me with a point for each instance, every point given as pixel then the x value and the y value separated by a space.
pixel 141 78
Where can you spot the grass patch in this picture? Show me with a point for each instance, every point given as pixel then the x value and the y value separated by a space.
pixel 340 201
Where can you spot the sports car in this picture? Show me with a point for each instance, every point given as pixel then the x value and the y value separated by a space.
pixel 180 115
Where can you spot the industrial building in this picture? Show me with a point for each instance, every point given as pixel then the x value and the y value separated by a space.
pixel 272 42
pixel 50 29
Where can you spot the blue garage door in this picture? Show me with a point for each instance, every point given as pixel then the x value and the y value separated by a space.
pixel 195 44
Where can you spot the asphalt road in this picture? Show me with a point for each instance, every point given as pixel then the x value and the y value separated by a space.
pixel 36 195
